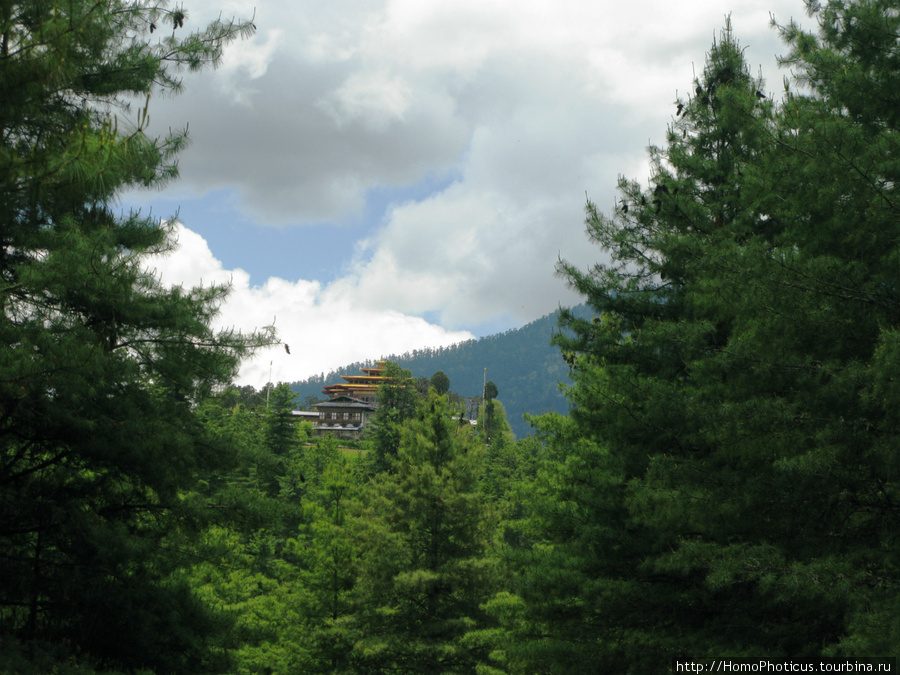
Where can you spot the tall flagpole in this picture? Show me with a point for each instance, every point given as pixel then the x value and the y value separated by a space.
pixel 484 404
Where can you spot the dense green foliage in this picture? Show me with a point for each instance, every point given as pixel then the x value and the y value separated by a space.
pixel 100 366
pixel 345 567
pixel 440 382
pixel 396 400
pixel 724 482
pixel 426 573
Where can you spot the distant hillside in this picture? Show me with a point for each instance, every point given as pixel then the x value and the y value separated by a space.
pixel 521 362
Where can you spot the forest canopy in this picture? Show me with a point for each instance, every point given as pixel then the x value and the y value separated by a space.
pixel 101 368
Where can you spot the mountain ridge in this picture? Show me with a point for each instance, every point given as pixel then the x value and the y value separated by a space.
pixel 523 364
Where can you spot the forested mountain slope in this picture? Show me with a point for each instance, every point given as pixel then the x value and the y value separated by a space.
pixel 523 364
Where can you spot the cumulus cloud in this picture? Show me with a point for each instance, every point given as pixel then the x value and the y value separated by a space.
pixel 324 330
pixel 325 103
pixel 529 105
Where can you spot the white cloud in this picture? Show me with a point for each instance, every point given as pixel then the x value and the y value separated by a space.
pixel 530 104
pixel 244 62
pixel 472 255
pixel 375 100
pixel 324 330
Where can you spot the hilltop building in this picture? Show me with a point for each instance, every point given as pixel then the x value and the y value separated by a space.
pixel 360 387
pixel 350 404
pixel 343 416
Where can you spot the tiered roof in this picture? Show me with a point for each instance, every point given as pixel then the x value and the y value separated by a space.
pixel 358 386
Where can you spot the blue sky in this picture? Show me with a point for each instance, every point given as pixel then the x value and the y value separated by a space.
pixel 316 250
pixel 383 175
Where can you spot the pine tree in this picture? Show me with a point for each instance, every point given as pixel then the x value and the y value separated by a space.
pixel 101 366
pixel 440 382
pixel 423 568
pixel 724 483
pixel 397 399
pixel 329 567
pixel 282 565
pixel 835 197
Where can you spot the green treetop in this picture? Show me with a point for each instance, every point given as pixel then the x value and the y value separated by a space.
pixel 397 398
pixel 423 552
pixel 723 484
pixel 100 366
pixel 440 382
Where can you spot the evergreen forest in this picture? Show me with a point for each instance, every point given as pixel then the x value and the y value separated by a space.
pixel 720 484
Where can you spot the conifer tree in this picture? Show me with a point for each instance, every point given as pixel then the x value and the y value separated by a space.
pixel 100 366
pixel 422 553
pixel 722 484
pixel 278 466
pixel 440 382
pixel 397 399
pixel 327 553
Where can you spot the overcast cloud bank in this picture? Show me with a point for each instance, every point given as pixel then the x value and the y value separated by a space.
pixel 527 106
